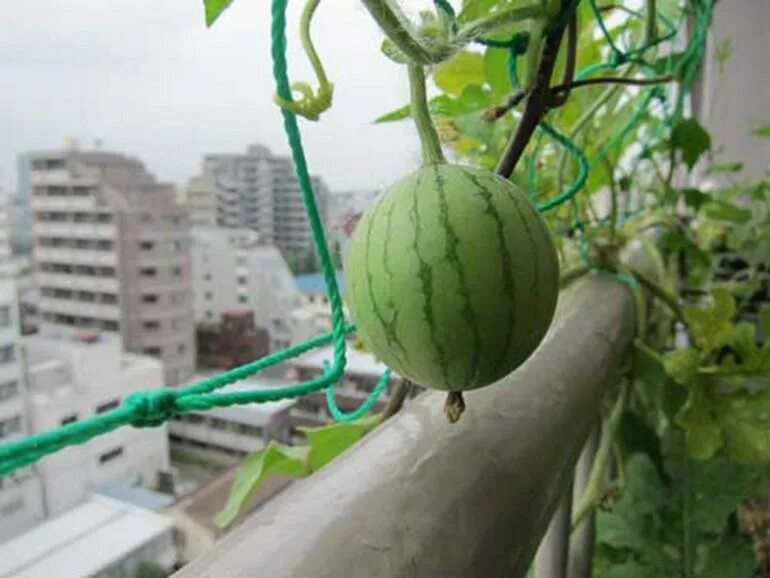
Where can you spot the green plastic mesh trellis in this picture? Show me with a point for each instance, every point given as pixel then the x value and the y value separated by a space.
pixel 152 408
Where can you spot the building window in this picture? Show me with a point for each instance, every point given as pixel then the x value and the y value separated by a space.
pixel 10 426
pixel 243 298
pixel 9 389
pixel 180 349
pixel 151 325
pixel 209 295
pixel 5 316
pixel 154 351
pixel 148 271
pixel 107 406
pixel 176 271
pixel 209 314
pixel 110 325
pixel 7 353
pixel 110 455
pixel 149 298
pixel 146 245
pixel 242 280
pixel 72 418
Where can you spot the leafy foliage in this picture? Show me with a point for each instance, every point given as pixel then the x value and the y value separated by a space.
pixel 324 444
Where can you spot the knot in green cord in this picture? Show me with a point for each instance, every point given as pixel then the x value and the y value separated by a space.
pixel 520 42
pixel 618 58
pixel 151 408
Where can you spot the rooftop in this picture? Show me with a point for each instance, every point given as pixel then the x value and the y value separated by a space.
pixel 358 362
pixel 81 542
pixel 313 283
pixel 256 414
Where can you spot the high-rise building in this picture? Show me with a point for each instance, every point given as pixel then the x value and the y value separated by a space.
pixel 233 271
pixel 111 252
pixel 256 190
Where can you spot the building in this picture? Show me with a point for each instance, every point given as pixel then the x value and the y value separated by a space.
pixel 111 252
pixel 76 379
pixel 257 190
pixel 236 430
pixel 200 198
pixel 103 538
pixel 21 498
pixel 233 341
pixel 231 270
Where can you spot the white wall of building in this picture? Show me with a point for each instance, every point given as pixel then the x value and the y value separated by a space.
pixel 74 381
pixel 21 504
pixel 230 270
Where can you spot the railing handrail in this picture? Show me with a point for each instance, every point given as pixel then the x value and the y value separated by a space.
pixel 419 497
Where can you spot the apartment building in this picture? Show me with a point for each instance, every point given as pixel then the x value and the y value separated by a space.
pixel 111 252
pixel 21 499
pixel 69 380
pixel 233 270
pixel 257 190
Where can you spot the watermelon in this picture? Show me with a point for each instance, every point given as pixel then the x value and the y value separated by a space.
pixel 452 277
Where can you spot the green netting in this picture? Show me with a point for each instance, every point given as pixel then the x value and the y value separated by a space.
pixel 152 408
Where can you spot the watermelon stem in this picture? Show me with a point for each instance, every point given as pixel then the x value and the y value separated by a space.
pixel 454 406
pixel 431 146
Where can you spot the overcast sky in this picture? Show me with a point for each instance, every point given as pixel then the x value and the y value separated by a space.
pixel 147 78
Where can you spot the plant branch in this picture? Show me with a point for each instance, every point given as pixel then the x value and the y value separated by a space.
pixel 500 111
pixel 558 99
pixel 498 20
pixel 536 106
pixel 397 27
pixel 566 87
pixel 665 297
pixel 396 399
pixel 431 146
pixel 593 492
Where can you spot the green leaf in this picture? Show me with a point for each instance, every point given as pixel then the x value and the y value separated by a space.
pixel 474 9
pixel 389 49
pixel 720 487
pixel 327 442
pixel 724 211
pixel 733 557
pixel 717 168
pixel 214 9
pixel 496 70
pixel 463 69
pixel 764 321
pixel 682 365
pixel 711 324
pixel 275 459
pixel 628 569
pixel 697 417
pixel 691 139
pixel 762 130
pixel 738 421
pixel 694 198
pixel 399 114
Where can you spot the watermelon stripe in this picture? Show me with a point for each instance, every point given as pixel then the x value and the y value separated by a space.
pixel 425 275
pixel 506 264
pixel 388 327
pixel 452 241
pixel 391 327
pixel 531 239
